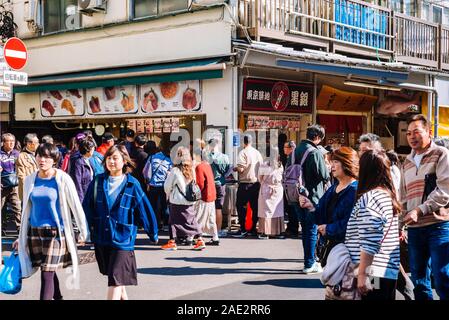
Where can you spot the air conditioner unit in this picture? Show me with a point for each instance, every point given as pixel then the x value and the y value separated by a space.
pixel 205 3
pixel 30 10
pixel 89 7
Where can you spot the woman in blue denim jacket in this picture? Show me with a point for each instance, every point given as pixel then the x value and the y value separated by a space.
pixel 334 208
pixel 115 206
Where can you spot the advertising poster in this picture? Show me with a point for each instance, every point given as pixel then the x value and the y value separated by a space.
pixel 112 100
pixel 157 125
pixel 62 103
pixel 140 126
pixel 166 125
pixel 131 124
pixel 175 125
pixel 170 97
pixel 148 125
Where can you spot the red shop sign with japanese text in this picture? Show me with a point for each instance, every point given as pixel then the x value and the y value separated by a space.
pixel 279 96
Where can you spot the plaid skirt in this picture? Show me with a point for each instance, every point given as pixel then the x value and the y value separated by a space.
pixel 48 249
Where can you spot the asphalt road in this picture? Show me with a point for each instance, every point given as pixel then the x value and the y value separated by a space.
pixel 238 269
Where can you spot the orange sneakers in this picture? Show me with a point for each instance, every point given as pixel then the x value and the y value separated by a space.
pixel 170 245
pixel 200 245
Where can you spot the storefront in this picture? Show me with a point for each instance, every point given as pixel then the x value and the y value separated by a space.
pixel 344 114
pixel 153 100
pixel 275 108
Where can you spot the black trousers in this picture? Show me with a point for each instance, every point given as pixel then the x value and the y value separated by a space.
pixel 247 192
pixel 158 200
pixel 384 289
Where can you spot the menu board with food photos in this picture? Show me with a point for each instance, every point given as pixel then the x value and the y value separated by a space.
pixel 62 103
pixel 112 100
pixel 131 124
pixel 265 122
pixel 140 126
pixel 170 97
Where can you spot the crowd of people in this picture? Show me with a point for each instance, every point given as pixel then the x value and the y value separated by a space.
pixel 392 217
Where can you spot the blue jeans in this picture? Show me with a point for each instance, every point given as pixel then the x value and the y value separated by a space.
pixel 424 244
pixel 309 234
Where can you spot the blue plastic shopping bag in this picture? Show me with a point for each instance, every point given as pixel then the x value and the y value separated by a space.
pixel 11 275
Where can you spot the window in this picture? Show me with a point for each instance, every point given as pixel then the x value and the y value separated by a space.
pixel 149 8
pixel 410 8
pixel 446 16
pixel 57 15
pixel 396 5
pixel 425 15
pixel 437 13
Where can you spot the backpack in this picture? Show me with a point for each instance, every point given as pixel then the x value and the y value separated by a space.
pixel 193 191
pixel 293 178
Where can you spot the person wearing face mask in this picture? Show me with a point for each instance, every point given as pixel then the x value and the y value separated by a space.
pixel 334 208
pixel 46 236
pixel 115 206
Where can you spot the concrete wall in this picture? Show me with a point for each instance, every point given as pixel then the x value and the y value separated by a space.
pixel 194 35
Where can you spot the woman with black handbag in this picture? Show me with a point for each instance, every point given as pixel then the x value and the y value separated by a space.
pixel 334 208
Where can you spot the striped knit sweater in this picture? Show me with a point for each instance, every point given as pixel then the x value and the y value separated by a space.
pixel 373 229
pixel 435 160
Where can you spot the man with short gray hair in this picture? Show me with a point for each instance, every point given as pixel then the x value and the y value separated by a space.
pixel 369 141
pixel 26 163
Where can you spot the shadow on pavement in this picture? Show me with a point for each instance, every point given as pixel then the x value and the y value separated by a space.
pixel 231 260
pixel 188 271
pixel 288 283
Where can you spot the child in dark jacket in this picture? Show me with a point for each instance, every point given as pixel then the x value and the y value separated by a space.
pixel 115 205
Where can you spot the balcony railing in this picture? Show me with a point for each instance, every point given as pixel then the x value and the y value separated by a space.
pixel 350 26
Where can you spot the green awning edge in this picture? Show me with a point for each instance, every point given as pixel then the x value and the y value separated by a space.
pixel 174 77
pixel 123 70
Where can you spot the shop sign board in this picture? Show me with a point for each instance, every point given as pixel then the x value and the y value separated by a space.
pixel 62 103
pixel 277 96
pixel 5 92
pixel 170 97
pixel 15 77
pixel 112 100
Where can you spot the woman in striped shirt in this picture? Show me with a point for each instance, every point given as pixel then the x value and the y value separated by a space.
pixel 372 236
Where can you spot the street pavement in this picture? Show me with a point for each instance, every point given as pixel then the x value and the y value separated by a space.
pixel 238 269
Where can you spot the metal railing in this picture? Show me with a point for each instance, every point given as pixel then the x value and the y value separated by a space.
pixel 444 48
pixel 416 39
pixel 351 24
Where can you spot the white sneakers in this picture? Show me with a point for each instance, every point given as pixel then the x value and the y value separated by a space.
pixel 315 268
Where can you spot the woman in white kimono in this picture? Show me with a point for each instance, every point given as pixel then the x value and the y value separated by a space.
pixel 271 200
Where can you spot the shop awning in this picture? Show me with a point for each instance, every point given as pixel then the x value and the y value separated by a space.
pixel 328 68
pixel 167 72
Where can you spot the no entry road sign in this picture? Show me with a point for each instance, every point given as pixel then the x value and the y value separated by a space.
pixel 15 53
